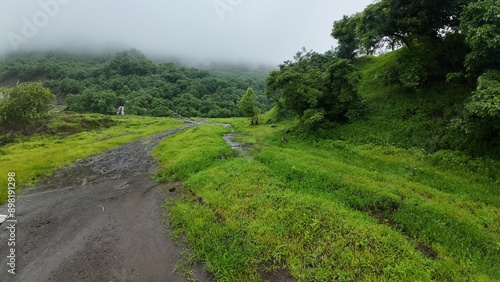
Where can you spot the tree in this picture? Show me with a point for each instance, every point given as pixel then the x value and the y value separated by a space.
pixel 344 31
pixel 399 23
pixel 162 111
pixel 248 105
pixel 485 101
pixel 93 100
pixel 357 34
pixel 188 105
pixel 69 85
pixel 24 103
pixel 103 102
pixel 405 21
pixel 480 120
pixel 318 88
pixel 480 22
pixel 429 32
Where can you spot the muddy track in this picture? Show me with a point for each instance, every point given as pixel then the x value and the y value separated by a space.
pixel 98 220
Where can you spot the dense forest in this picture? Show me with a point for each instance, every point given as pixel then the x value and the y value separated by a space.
pixel 102 83
pixel 443 67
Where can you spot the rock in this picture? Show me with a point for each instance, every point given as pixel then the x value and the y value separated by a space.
pixel 85 181
pixel 273 126
pixel 284 140
pixel 286 131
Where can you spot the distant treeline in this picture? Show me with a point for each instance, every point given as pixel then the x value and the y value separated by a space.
pixel 102 83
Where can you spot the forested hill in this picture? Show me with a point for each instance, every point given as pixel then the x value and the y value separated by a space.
pixel 438 89
pixel 101 83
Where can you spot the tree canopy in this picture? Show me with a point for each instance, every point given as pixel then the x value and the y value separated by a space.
pixel 102 83
pixel 480 22
pixel 248 105
pixel 449 36
pixel 318 88
pixel 25 102
pixel 437 42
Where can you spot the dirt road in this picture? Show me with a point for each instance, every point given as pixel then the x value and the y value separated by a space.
pixel 98 220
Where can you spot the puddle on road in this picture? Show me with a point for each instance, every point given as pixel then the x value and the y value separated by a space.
pixel 229 138
pixel 230 141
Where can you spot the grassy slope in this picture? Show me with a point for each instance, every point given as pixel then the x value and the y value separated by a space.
pixel 40 155
pixel 403 119
pixel 349 210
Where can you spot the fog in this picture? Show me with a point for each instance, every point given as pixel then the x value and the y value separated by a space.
pixel 198 31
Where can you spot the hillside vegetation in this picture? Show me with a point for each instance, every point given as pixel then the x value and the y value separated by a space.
pixel 398 192
pixel 329 210
pixel 367 168
pixel 324 210
pixel 385 197
pixel 429 119
pixel 88 83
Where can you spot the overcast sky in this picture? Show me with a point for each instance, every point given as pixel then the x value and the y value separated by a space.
pixel 256 31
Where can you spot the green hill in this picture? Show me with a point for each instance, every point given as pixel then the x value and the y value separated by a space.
pixel 365 168
pixel 389 196
pixel 399 193
pixel 100 83
pixel 421 119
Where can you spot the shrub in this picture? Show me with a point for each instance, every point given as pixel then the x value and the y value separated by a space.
pixel 24 103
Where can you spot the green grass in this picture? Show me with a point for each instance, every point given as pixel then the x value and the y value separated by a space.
pixel 38 156
pixel 329 210
pixel 189 153
pixel 386 197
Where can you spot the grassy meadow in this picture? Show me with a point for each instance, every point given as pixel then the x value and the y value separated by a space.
pixel 327 210
pixel 384 198
pixel 37 156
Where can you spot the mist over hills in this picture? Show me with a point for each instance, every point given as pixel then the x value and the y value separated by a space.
pixel 257 32
pixel 101 82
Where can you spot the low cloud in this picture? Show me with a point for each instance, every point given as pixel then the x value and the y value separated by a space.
pixel 248 31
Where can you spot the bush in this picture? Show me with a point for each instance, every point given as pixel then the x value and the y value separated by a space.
pixel 415 68
pixel 481 116
pixel 93 100
pixel 485 101
pixel 162 111
pixel 24 103
pixel 318 88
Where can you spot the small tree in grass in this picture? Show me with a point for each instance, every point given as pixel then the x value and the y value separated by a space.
pixel 248 105
pixel 25 102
